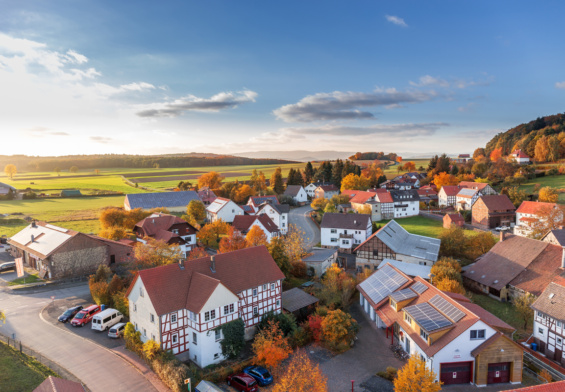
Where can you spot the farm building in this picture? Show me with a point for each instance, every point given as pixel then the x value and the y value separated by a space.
pixel 320 259
pixel 453 219
pixel 5 189
pixel 298 302
pixel 70 193
pixel 172 201
pixel 491 211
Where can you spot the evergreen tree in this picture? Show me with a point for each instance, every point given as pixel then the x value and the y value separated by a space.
pixel 277 181
pixel 454 170
pixel 337 171
pixel 308 173
pixel 290 177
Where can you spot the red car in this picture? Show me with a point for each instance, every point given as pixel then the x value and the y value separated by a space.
pixel 243 382
pixel 84 316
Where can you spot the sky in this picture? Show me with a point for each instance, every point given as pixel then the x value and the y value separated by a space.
pixel 147 77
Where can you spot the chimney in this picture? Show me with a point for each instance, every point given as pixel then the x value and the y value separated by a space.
pixel 212 264
pixel 502 233
pixel 355 221
pixel 33 224
pixel 32 238
pixel 181 264
pixel 563 258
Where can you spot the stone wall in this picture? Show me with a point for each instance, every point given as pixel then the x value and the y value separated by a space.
pixel 79 256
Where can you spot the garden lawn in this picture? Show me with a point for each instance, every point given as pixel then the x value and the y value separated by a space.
pixel 20 373
pixel 392 171
pixel 557 182
pixel 25 280
pixel 504 311
pixel 423 226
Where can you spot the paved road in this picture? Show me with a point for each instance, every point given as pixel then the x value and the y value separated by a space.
pixel 300 217
pixel 95 366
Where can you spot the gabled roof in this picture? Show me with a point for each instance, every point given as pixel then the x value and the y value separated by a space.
pixel 218 204
pixel 328 188
pixel 169 286
pixel 56 384
pixel 426 192
pixel 467 193
pixel 520 154
pixel 384 197
pixel 200 289
pixel 558 386
pixel 47 238
pixel 401 241
pixel 336 220
pixel 490 341
pixel 552 301
pixel 497 203
pixel 361 197
pixel 559 235
pixel 534 207
pixel 248 209
pixel 406 195
pixel 410 269
pixel 155 224
pixel 456 217
pixel 543 270
pixel 279 208
pixel 473 185
pixel 451 190
pixel 256 201
pixel 161 199
pixel 296 299
pixel 206 194
pixel 243 223
pixel 292 190
pixel 319 254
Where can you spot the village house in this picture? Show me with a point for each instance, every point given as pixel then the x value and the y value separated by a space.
pixel 224 209
pixel 493 211
pixel 244 223
pixel 520 157
pixel 461 342
pixel 393 242
pixel 344 231
pixel 427 195
pixel 379 200
pixel 278 214
pixel 514 266
pixel 172 201
pixel 311 188
pixel 5 189
pixel 531 214
pixel 555 237
pixel 59 253
pixel 412 270
pixel 167 228
pixel 549 321
pixel 180 306
pixel 447 195
pixel 406 203
pixel 257 201
pixel 463 158
pixel 453 219
pixel 465 198
pixel 206 195
pixel 326 191
pixel 297 193
pixel 318 260
pixel 483 187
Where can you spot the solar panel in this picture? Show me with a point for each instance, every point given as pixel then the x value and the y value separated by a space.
pixel 403 295
pixel 427 317
pixel 383 282
pixel 419 287
pixel 447 308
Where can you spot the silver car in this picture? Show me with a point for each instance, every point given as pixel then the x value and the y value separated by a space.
pixel 117 330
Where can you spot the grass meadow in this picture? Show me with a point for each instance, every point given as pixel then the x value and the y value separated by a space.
pixel 19 371
pixel 556 181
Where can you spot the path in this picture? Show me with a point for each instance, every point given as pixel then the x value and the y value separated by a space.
pixel 300 217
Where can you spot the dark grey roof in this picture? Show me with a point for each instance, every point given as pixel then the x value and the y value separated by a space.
pixel 382 283
pixel 405 243
pixel 552 301
pixel 558 234
pixel 281 208
pixel 319 254
pixel 345 221
pixel 292 190
pixel 296 299
pixel 4 185
pixel 407 195
pixel 161 199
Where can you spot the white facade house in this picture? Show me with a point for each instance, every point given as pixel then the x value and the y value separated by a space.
pixel 406 203
pixel 533 213
pixel 278 214
pixel 445 330
pixel 345 231
pixel 297 193
pixel 181 306
pixel 311 188
pixel 224 209
pixel 167 228
pixel 465 199
pixel 447 195
pixel 244 223
pixel 326 191
pixel 549 322
pixel 520 157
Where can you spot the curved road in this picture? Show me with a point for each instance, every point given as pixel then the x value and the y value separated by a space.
pixel 99 369
pixel 301 218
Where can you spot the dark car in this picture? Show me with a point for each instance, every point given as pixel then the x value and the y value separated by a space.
pixel 9 266
pixel 243 382
pixel 260 374
pixel 69 314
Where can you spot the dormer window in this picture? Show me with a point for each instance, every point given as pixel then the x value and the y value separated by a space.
pixel 407 318
pixel 393 303
pixel 423 334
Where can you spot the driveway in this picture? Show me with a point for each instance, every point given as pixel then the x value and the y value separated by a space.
pixel 96 366
pixel 301 218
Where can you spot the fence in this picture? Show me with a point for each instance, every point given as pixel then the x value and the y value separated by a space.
pixel 54 366
pixel 538 363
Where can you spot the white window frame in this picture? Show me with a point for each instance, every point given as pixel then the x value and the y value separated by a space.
pixel 217 335
pixel 255 311
pixel 194 338
pixel 173 318
pixel 254 292
pixel 272 286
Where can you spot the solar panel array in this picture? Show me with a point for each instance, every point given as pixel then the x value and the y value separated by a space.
pixel 447 308
pixel 403 295
pixel 419 287
pixel 383 282
pixel 427 317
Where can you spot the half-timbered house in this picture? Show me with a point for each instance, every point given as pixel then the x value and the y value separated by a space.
pixel 549 321
pixel 167 228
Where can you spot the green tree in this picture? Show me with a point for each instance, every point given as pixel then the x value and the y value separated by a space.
pixel 523 304
pixel 308 173
pixel 277 181
pixel 73 169
pixel 277 251
pixel 196 210
pixel 57 170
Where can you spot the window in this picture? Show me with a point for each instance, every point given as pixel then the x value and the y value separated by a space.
pixel 137 329
pixel 333 231
pixel 284 224
pixel 423 334
pixel 255 311
pixel 407 318
pixel 559 341
pixel 334 240
pixel 194 338
pixel 375 252
pixel 211 315
pixel 392 303
pixel 272 286
pixel 192 315
pixel 278 302
pixel 135 307
pixel 152 317
pixel 559 324
pixel 153 337
pixel 540 331
pixel 254 292
pixel 173 318
pixel 144 332
pixel 478 334
pixel 218 334
pixel 175 338
pixel 346 242
pixel 175 231
pixel 264 287
pixel 216 356
pixel 141 291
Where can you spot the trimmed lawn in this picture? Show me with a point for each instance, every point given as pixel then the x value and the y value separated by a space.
pixel 422 226
pixel 20 373
pixel 504 311
pixel 557 182
pixel 26 280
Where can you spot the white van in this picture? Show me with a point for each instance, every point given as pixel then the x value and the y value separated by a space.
pixel 106 319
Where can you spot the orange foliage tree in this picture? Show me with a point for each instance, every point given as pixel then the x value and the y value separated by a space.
pixel 315 326
pixel 416 377
pixel 548 195
pixel 233 241
pixel 398 159
pixel 197 253
pixel 209 235
pixel 496 154
pixel 301 375
pixel 444 178
pixel 410 166
pixel 338 330
pixel 450 285
pixel 256 236
pixel 243 193
pixel 270 346
pixel 212 180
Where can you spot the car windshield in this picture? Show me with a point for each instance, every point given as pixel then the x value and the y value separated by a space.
pixel 252 383
pixel 265 373
pixel 68 312
pixel 113 330
pixel 80 315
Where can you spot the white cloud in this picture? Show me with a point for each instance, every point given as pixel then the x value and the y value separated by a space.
pixel 396 20
pixel 340 105
pixel 386 130
pixel 427 80
pixel 560 85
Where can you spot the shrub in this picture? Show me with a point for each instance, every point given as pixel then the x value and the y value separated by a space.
pixel 298 269
pixel 315 326
pixel 389 374
pixel 338 330
pixel 300 337
pixel 286 322
pixel 121 303
pixel 150 349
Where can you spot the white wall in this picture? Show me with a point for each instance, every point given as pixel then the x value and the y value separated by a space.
pixel 226 213
pixel 358 236
pixel 412 209
pixel 142 316
pixel 301 196
pixel 281 220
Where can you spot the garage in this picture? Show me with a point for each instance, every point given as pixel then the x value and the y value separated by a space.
pixel 498 373
pixel 456 372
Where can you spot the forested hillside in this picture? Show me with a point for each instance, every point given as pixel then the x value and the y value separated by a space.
pixel 542 139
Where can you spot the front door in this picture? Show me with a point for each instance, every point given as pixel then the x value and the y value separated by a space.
pixel 498 373
pixel 407 345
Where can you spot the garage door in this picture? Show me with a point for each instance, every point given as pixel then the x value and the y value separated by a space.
pixel 456 372
pixel 498 372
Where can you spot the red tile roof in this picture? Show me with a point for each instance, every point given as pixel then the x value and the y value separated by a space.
pixel 168 286
pixel 243 223
pixel 520 154
pixel 384 197
pixel 473 185
pixel 534 207
pixel 451 190
pixel 153 226
pixel 427 192
pixel 487 317
pixel 362 196
pixel 542 271
pixel 55 384
pixel 456 217
pixel 551 387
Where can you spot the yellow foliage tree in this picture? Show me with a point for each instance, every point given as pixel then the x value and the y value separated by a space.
pixel 150 349
pixel 416 377
pixel 256 237
pixel 338 330
pixel 319 204
pixel 212 180
pixel 155 253
pixel 450 285
pixel 243 193
pixel 353 181
pixel 270 346
pixel 10 170
pixel 444 178
pixel 365 209
pixel 196 210
pixel 294 245
pixel 548 195
pixel 301 375
pixel 210 234
pixel 114 233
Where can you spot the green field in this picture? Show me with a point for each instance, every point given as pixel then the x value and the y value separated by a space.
pixel 392 171
pixel 504 311
pixel 20 373
pixel 557 182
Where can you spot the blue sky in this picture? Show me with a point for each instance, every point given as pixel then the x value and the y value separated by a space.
pixel 231 76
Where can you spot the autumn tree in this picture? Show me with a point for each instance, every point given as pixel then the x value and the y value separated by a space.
pixel 277 251
pixel 301 375
pixel 354 181
pixel 496 154
pixel 294 246
pixel 542 149
pixel 523 304
pixel 444 178
pixel 516 195
pixel 233 241
pixel 118 217
pixel 479 244
pixel 453 242
pixel 450 285
pixel 319 204
pixel 479 153
pixel 155 253
pixel 338 330
pixel 210 234
pixel 410 166
pixel 277 183
pixel 365 209
pixel 337 289
pixel 243 193
pixel 446 268
pixel 212 180
pixel 150 349
pixel 548 195
pixel 114 233
pixel 256 237
pixel 73 169
pixel 416 377
pixel 10 170
pixel 550 217
pixel 197 253
pixel 270 346
pixel 196 210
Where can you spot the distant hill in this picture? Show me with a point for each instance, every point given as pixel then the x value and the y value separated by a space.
pixel 525 136
pixel 297 155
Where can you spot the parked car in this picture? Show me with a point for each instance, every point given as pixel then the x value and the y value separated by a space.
pixel 9 266
pixel 69 314
pixel 502 228
pixel 105 319
pixel 117 330
pixel 243 382
pixel 84 316
pixel 260 374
